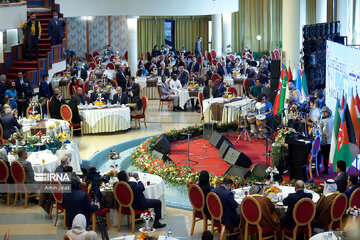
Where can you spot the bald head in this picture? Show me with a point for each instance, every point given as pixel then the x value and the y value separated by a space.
pixel 299 185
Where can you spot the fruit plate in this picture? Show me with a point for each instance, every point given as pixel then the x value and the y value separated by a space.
pixel 146 230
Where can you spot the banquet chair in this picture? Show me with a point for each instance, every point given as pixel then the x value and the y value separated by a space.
pixel 103 211
pixel 355 198
pixel 4 175
pixel 47 107
pixel 138 73
pixel 71 89
pixel 112 57
pixel 233 91
pixel 213 53
pixel 110 66
pixel 246 86
pixel 314 156
pixel 6 236
pixel 125 197
pixel 126 55
pixel 18 174
pixel 215 208
pixel 148 56
pixel 277 54
pixel 197 200
pixel 86 86
pixel 232 58
pixel 251 211
pixel 337 210
pixel 58 196
pixel 218 65
pixel 96 53
pixel 67 237
pixel 92 65
pixel 137 118
pixel 303 214
pixel 139 89
pixel 163 101
pixel 97 60
pixel 201 99
pixel 114 83
pixel 2 140
pixel 222 233
pixel 28 110
pixel 66 115
pixel 208 57
pixel 189 57
pixel 215 77
pixel 177 52
pixel 214 62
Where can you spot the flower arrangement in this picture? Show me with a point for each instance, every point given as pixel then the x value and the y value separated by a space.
pixel 33 139
pixel 353 211
pixel 15 137
pixel 113 172
pixel 35 116
pixel 99 103
pixel 62 136
pixel 272 171
pixel 283 133
pixel 148 215
pixel 113 155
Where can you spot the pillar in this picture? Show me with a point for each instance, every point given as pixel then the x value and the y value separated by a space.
pixel 291 33
pixel 132 43
pixel 342 16
pixel 321 11
pixel 11 38
pixel 216 33
pixel 226 18
pixel 302 18
pixel 1 47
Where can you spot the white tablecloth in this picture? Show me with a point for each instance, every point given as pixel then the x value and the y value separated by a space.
pixel 75 155
pixel 324 235
pixel 106 119
pixel 132 237
pixel 28 123
pixel 141 81
pixel 51 161
pixel 183 96
pixel 232 110
pixel 112 92
pixel 239 87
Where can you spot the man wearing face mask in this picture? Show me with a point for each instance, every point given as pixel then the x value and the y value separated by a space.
pixel 24 93
pixel 55 29
pixel 79 71
pixel 32 33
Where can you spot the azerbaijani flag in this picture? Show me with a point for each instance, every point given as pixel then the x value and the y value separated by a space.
pixel 278 93
pixel 283 94
pixel 346 141
pixel 355 116
pixel 335 132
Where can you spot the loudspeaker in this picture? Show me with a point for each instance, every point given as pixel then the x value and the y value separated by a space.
pixel 217 139
pixel 161 156
pixel 266 91
pixel 275 68
pixel 274 84
pixel 237 171
pixel 209 128
pixel 259 171
pixel 235 157
pixel 162 144
pixel 224 148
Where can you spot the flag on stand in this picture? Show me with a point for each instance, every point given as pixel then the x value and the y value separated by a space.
pixel 343 101
pixel 346 141
pixel 298 81
pixel 355 116
pixel 335 132
pixel 278 93
pixel 304 89
pixel 290 77
pixel 283 94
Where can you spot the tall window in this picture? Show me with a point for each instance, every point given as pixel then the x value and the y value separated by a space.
pixel 169 33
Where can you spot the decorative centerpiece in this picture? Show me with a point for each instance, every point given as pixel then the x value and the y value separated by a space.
pixel 147 216
pixel 99 103
pixel 353 211
pixel 113 155
pixel 271 171
pixel 228 49
pixel 57 129
pixel 227 94
pixel 16 139
pixel 62 136
pixel 113 172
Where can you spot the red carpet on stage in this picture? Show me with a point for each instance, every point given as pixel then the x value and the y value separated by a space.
pixel 208 157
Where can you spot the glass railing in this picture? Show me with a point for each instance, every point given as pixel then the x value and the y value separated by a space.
pixel 9 1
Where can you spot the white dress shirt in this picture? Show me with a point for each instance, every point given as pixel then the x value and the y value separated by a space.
pixel 175 84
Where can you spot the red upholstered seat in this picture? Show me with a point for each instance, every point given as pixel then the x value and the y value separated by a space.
pixel 213 54
pixel 355 198
pixel 128 212
pixel 96 53
pixel 166 100
pixel 4 175
pixel 75 124
pixel 92 65
pixel 301 230
pixel 66 114
pixel 17 172
pixel 197 200
pixel 140 116
pixel 102 211
pixel 264 229
pixel 58 196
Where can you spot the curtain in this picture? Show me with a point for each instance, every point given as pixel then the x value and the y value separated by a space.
pixel 151 32
pixel 257 17
pixel 310 12
pixel 188 30
pixel 354 22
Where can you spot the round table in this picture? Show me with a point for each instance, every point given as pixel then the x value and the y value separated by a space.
pixel 324 235
pixel 156 190
pixel 105 119
pixel 31 125
pixel 36 160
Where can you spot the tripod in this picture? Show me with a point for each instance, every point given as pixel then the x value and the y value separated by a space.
pixel 188 158
pixel 244 131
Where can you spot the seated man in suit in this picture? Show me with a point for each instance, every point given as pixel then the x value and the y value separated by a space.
pixel 73 104
pixel 290 201
pixel 29 171
pixel 165 93
pixel 194 66
pixel 121 78
pixel 65 161
pixel 341 178
pixel 209 91
pixel 80 71
pixel 163 70
pixel 222 70
pixel 44 89
pixel 140 202
pixel 55 103
pixel 183 76
pixel 82 97
pixel 133 88
pixel 8 123
pixel 353 183
pixel 78 202
pixel 40 108
pixel 230 216
pixel 322 215
pixel 120 97
pixel 220 87
pixel 98 95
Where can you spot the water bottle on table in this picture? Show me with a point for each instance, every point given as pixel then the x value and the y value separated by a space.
pixel 169 233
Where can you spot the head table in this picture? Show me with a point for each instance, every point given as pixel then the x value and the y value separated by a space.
pixel 107 118
pixel 156 190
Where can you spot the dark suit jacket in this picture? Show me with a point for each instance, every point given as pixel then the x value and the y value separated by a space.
pixel 341 182
pixel 209 74
pixel 163 72
pixel 350 191
pixel 135 89
pixel 94 96
pixel 77 202
pixel 139 197
pixel 83 73
pixel 220 89
pixel 183 77
pixel 221 71
pixel 8 123
pixel 206 92
pixel 54 107
pixel 44 89
pixel 29 171
pixel 23 90
pixel 123 100
pixel 55 28
pixel 194 68
pixel 83 99
pixel 121 81
pixel 42 110
pixel 230 217
pixel 75 112
pixel 2 91
pixel 206 189
pixel 290 201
